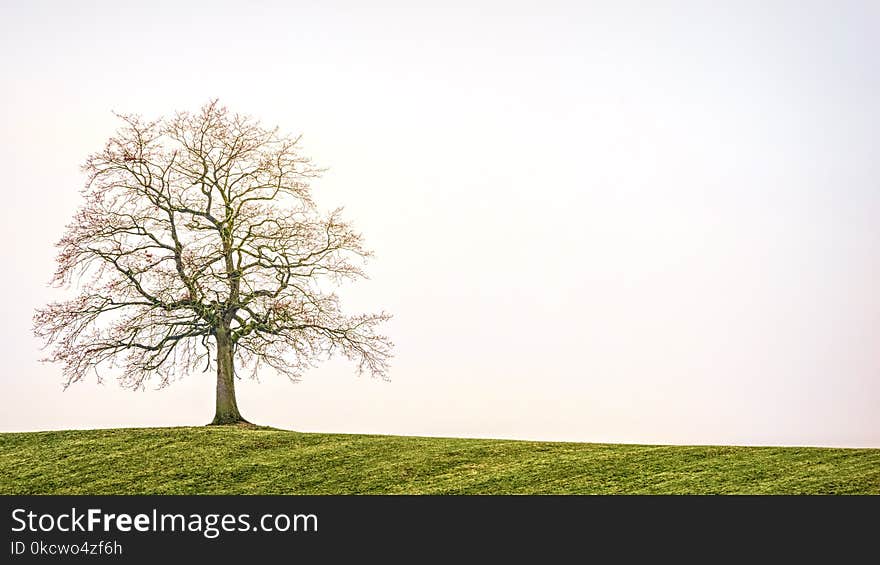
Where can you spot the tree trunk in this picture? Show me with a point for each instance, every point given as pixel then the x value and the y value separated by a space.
pixel 227 408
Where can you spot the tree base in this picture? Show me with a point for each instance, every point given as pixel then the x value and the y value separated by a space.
pixel 239 422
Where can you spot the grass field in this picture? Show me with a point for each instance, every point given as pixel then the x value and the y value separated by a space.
pixel 230 460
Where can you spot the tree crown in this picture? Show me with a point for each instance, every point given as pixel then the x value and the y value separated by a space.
pixel 200 227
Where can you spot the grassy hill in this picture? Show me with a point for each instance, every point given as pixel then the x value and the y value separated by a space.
pixel 230 460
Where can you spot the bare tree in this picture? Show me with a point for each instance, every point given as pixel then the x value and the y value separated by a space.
pixel 198 245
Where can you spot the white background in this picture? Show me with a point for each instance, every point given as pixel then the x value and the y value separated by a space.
pixel 611 222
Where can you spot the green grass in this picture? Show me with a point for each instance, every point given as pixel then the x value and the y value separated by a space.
pixel 230 460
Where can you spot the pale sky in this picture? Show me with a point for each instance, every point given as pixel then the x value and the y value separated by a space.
pixel 645 222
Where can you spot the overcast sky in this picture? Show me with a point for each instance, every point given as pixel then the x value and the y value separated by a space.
pixel 651 222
